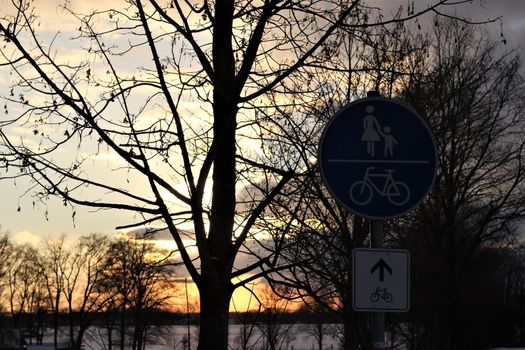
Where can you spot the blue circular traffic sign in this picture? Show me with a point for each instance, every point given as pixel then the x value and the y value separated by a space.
pixel 378 158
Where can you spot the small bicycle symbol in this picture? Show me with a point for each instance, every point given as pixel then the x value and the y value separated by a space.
pixel 397 192
pixel 381 293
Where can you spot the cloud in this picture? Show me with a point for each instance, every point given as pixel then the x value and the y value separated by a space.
pixel 511 13
pixel 26 237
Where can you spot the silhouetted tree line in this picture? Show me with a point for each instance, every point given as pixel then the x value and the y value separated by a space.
pixel 467 232
pixel 120 285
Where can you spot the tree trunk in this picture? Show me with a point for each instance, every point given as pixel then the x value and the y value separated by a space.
pixel 79 338
pixel 55 320
pixel 214 314
pixel 123 326
pixel 521 314
pixel 320 334
pixel 355 330
pixel 71 324
pixel 215 287
pixel 110 338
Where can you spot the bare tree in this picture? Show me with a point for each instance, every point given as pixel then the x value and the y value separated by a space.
pixel 225 55
pixel 471 95
pixel 84 273
pixel 5 254
pixel 323 242
pixel 510 325
pixel 322 233
pixel 25 290
pixel 138 285
pixel 53 267
pixel 21 295
pixel 318 327
pixel 478 136
pixel 273 325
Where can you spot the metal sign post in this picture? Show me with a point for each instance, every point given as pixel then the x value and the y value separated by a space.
pixel 378 318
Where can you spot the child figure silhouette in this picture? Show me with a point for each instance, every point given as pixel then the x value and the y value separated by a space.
pixel 390 141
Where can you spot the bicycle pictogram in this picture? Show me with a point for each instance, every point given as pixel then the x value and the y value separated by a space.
pixel 381 293
pixel 362 192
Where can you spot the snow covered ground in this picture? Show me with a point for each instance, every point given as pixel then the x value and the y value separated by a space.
pixel 293 337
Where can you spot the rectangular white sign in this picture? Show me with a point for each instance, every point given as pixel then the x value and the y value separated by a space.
pixel 381 280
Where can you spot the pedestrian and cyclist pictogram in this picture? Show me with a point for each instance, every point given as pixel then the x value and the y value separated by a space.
pixel 373 133
pixel 378 158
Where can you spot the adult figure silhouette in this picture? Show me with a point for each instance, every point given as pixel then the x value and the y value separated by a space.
pixel 371 127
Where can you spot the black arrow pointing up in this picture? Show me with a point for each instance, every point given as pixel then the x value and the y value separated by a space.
pixel 381 265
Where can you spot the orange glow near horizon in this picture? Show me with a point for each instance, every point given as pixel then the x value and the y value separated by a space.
pixel 243 299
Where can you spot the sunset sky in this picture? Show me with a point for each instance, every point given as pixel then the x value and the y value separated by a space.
pixel 28 222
